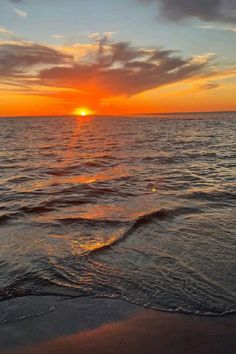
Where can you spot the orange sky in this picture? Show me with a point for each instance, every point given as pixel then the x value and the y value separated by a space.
pixel 110 78
pixel 179 97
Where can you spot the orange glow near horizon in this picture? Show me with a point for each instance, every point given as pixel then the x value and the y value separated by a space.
pixel 82 112
pixel 185 96
pixel 92 80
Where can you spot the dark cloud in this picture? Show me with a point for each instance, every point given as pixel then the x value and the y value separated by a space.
pixel 116 69
pixel 210 85
pixel 206 10
pixel 120 52
pixel 125 70
pixel 123 52
pixel 17 58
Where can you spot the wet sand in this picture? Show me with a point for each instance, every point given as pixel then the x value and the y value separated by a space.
pixel 141 331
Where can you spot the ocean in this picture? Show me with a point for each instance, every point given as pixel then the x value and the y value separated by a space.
pixel 140 209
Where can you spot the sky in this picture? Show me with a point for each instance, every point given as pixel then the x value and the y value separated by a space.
pixel 63 57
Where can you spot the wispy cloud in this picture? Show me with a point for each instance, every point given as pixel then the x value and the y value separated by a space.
pixel 217 28
pixel 18 58
pixel 20 13
pixel 6 34
pixel 210 85
pixel 5 31
pixel 73 39
pixel 98 36
pixel 58 36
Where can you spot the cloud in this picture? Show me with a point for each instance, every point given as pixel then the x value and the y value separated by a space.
pixel 106 70
pixel 122 69
pixel 7 35
pixel 16 58
pixel 206 10
pixel 217 28
pixel 97 36
pixel 210 85
pixel 5 31
pixel 58 36
pixel 20 13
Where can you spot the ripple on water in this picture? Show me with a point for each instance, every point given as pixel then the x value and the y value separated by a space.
pixel 139 209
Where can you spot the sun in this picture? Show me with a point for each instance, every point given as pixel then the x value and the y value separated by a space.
pixel 82 111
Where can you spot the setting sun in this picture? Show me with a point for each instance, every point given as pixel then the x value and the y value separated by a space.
pixel 82 111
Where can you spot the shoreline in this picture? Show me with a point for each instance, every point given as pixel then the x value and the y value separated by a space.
pixel 89 325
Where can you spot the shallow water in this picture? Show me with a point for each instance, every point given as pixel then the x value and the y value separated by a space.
pixel 141 209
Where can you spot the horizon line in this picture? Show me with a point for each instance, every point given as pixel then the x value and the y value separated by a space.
pixel 116 115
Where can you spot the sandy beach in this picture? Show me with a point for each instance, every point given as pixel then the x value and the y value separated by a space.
pixel 115 326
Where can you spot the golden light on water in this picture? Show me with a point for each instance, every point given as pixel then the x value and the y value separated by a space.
pixel 82 111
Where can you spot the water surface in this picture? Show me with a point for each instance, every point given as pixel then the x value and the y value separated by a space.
pixel 140 209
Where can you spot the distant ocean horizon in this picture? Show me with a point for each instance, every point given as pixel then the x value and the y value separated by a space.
pixel 136 209
pixel 125 115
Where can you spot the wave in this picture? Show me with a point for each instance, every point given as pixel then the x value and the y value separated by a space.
pixel 145 218
pixel 162 159
pixel 56 282
pixel 159 214
pixel 71 196
pixel 90 222
pixel 10 293
pixel 52 204
pixel 5 218
pixel 210 196
pixel 21 179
